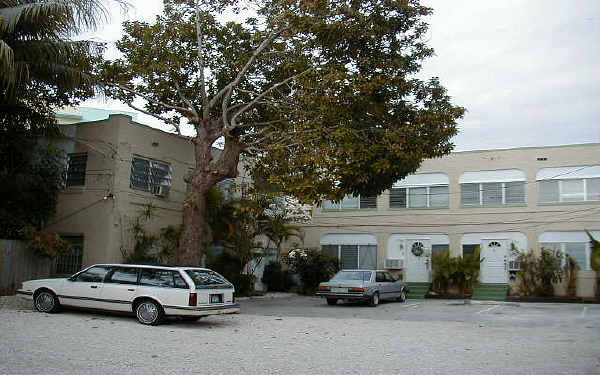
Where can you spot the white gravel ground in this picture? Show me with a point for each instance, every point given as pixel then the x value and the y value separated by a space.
pixel 76 342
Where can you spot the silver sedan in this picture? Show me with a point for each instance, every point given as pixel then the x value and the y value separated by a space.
pixel 363 285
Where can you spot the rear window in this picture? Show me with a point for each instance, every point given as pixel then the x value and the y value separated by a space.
pixel 206 278
pixel 352 276
pixel 162 278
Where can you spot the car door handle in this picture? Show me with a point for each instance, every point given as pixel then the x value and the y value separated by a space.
pixel 131 290
pixel 94 286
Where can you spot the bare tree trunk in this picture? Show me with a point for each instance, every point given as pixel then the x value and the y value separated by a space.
pixel 196 234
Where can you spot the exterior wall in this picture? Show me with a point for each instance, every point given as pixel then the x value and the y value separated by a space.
pixel 103 219
pixel 530 218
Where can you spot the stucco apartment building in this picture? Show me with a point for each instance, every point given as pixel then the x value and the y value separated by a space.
pixel 116 166
pixel 492 200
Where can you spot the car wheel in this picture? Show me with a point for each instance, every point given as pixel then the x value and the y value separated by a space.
pixel 402 297
pixel 332 301
pixel 374 301
pixel 46 301
pixel 149 312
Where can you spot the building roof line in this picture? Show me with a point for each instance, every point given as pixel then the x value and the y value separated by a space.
pixel 528 148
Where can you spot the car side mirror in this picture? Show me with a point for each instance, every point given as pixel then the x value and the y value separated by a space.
pixel 72 278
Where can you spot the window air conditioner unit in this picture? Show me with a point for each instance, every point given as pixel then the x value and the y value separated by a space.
pixel 160 190
pixel 394 264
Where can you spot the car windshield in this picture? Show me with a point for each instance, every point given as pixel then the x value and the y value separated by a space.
pixel 352 276
pixel 206 277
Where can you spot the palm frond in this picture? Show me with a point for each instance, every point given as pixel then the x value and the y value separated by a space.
pixel 7 59
pixel 68 16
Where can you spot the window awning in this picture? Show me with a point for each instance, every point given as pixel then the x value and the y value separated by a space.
pixel 348 239
pixel 500 175
pixel 423 179
pixel 568 236
pixel 562 173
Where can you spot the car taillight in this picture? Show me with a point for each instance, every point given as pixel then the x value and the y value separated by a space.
pixel 193 299
pixel 233 297
pixel 356 289
pixel 323 287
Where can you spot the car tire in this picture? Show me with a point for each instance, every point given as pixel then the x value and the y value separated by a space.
pixel 46 301
pixel 402 297
pixel 149 312
pixel 332 301
pixel 374 301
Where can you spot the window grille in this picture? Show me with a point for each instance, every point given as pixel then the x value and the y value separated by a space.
pixel 70 262
pixel 147 173
pixel 76 168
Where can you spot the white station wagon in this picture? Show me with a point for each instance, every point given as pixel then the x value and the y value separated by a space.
pixel 151 292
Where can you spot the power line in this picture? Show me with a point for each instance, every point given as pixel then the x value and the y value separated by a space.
pixel 444 225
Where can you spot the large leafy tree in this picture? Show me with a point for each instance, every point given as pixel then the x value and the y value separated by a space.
pixel 322 97
pixel 31 173
pixel 36 43
pixel 41 68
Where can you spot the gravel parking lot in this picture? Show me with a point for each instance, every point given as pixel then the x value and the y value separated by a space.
pixel 302 335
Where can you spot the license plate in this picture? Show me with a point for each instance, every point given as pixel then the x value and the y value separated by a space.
pixel 216 298
pixel 339 290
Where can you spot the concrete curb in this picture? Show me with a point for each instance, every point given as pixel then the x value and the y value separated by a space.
pixel 471 302
pixel 267 296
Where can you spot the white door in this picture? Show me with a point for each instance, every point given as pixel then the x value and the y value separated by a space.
pixel 84 289
pixel 495 257
pixel 119 288
pixel 418 260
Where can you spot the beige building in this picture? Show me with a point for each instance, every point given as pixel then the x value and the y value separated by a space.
pixel 116 167
pixel 492 200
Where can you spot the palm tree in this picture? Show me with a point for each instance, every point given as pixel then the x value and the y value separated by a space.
pixel 36 45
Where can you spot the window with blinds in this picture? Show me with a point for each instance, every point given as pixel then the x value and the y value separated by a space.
pixel 353 256
pixel 351 203
pixel 148 173
pixel 397 198
pixel 419 197
pixel 569 190
pixel 493 193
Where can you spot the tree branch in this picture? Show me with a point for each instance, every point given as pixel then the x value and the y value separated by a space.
pixel 287 138
pixel 182 110
pixel 229 88
pixel 262 95
pixel 200 41
pixel 166 120
pixel 186 100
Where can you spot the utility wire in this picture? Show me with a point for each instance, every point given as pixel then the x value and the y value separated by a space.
pixel 444 225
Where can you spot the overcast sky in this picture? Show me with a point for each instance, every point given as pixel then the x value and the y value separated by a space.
pixel 528 71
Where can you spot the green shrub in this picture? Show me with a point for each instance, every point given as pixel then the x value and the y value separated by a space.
pixel 595 260
pixel 571 271
pixel 539 272
pixel 459 272
pixel 276 278
pixel 312 266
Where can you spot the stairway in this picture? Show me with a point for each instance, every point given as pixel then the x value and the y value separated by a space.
pixel 417 290
pixel 490 292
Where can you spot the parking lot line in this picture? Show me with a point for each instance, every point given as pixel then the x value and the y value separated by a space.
pixel 413 305
pixel 488 309
pixel 584 311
